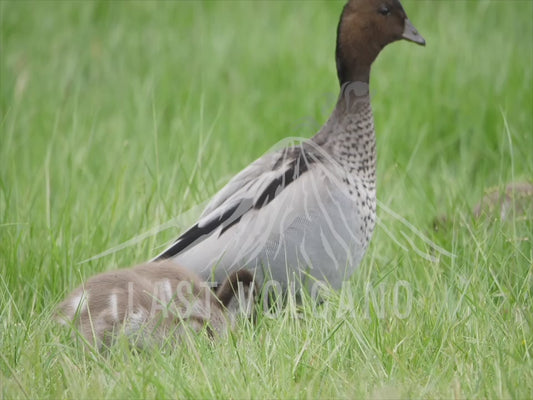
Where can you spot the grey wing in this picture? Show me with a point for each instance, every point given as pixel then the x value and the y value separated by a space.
pixel 254 187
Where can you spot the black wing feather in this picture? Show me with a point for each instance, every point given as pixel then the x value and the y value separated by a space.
pixel 196 232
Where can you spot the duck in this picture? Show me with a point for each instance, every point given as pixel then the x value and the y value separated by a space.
pixel 504 203
pixel 513 200
pixel 153 305
pixel 304 214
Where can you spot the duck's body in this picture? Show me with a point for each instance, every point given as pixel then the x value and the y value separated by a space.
pixel 308 210
pixel 152 303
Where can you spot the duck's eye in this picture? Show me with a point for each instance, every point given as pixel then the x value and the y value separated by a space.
pixel 384 10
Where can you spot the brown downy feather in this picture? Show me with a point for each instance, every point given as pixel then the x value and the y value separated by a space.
pixel 514 200
pixel 151 304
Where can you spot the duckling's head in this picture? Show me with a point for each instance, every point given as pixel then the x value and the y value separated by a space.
pixel 366 27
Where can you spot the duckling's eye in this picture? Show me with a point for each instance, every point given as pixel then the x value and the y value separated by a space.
pixel 384 10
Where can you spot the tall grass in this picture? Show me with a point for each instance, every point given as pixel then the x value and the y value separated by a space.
pixel 115 118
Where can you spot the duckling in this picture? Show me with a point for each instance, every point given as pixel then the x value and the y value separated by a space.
pixel 306 212
pixel 153 304
pixel 515 199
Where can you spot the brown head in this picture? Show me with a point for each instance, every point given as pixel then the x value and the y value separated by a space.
pixel 366 27
pixel 238 293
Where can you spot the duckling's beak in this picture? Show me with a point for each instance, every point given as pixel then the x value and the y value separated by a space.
pixel 410 33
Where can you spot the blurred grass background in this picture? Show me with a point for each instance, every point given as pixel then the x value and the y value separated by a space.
pixel 116 117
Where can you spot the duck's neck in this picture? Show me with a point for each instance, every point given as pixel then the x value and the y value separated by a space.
pixel 352 114
pixel 353 56
pixel 349 134
pixel 354 99
pixel 351 70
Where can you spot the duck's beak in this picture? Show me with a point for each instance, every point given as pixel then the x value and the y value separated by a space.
pixel 410 33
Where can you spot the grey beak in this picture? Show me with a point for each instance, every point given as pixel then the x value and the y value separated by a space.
pixel 410 33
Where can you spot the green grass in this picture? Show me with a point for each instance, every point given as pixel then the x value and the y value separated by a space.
pixel 115 118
